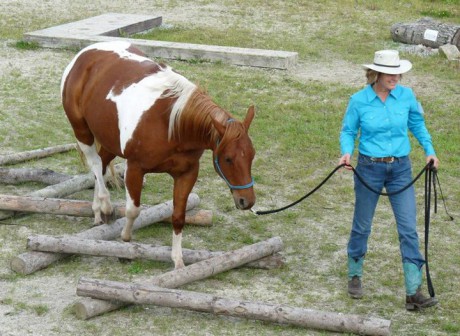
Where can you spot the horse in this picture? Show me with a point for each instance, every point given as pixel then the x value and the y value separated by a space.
pixel 122 104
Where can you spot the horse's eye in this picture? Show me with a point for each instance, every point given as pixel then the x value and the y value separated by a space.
pixel 228 160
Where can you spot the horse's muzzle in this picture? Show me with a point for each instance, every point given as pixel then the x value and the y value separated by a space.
pixel 243 202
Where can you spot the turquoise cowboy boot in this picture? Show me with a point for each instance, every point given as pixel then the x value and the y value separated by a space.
pixel 355 273
pixel 415 300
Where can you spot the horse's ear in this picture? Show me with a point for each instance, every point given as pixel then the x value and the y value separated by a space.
pixel 249 116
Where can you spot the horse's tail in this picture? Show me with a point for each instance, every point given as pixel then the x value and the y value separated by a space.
pixel 115 179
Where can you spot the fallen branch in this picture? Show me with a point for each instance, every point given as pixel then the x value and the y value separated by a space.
pixel 59 206
pixel 20 175
pixel 74 245
pixel 88 308
pixel 275 313
pixel 35 154
pixel 29 262
pixel 68 187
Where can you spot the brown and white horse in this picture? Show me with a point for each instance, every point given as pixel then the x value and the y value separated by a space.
pixel 159 122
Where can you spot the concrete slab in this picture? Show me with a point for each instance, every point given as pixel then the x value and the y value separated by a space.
pixel 113 26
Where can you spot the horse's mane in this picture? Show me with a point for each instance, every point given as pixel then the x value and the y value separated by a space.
pixel 193 120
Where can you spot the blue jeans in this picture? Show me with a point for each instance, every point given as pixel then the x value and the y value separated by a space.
pixel 393 177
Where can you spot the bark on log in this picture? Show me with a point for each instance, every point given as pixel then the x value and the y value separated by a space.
pixel 29 262
pixel 276 313
pixel 35 154
pixel 426 31
pixel 20 175
pixel 59 206
pixel 124 250
pixel 68 187
pixel 88 308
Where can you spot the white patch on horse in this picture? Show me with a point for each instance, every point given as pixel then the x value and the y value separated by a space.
pixel 137 98
pixel 176 252
pixel 118 47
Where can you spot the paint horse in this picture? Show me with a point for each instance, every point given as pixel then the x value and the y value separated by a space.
pixel 126 105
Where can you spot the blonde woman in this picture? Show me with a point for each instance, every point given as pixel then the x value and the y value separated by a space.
pixel 382 114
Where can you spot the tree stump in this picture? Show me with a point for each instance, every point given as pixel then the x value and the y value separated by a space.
pixel 427 32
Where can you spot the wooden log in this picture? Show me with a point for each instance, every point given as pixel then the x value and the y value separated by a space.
pixel 20 175
pixel 60 206
pixel 426 31
pixel 30 262
pixel 74 245
pixel 68 187
pixel 35 154
pixel 88 308
pixel 275 313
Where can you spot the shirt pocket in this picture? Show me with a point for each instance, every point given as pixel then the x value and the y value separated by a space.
pixel 369 120
pixel 401 117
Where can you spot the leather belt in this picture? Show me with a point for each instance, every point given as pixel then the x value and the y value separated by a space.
pixel 388 159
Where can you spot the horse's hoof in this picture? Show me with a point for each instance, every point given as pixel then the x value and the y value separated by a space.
pixel 125 237
pixel 108 218
pixel 179 265
pixel 98 221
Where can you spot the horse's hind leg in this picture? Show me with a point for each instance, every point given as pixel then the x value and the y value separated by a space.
pixel 106 158
pixel 101 201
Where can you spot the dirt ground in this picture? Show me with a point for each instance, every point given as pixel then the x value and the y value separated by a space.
pixel 57 292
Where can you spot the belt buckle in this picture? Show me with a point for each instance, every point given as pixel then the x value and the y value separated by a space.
pixel 392 159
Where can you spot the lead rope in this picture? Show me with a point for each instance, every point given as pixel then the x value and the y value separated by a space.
pixel 431 177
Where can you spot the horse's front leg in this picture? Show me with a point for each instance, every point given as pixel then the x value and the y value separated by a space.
pixel 133 182
pixel 183 185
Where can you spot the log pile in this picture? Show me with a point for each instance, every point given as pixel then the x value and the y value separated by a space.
pixel 102 296
pixel 88 308
pixel 30 262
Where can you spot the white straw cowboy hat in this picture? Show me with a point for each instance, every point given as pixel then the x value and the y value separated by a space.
pixel 388 62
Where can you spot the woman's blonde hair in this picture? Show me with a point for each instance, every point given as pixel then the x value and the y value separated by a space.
pixel 372 76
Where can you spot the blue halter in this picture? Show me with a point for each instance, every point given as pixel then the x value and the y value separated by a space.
pixel 219 170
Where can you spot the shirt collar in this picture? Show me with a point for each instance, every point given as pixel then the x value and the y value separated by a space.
pixel 371 95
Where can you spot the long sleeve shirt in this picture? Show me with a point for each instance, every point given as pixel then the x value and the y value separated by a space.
pixel 383 126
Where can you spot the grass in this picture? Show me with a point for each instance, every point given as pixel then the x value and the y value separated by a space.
pixel 296 137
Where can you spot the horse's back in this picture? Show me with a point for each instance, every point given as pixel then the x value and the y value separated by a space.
pixel 102 93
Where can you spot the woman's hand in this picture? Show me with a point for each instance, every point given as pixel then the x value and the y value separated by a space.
pixel 435 161
pixel 345 159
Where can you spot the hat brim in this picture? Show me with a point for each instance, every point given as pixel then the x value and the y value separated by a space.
pixel 404 66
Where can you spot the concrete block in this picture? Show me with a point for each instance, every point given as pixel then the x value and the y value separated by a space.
pixel 113 26
pixel 450 51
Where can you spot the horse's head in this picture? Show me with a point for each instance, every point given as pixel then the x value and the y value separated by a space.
pixel 233 157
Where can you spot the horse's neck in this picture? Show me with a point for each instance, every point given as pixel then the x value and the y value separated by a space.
pixel 196 121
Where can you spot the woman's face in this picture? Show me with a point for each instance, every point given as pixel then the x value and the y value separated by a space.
pixel 388 82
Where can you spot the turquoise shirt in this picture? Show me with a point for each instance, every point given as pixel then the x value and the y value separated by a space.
pixel 384 126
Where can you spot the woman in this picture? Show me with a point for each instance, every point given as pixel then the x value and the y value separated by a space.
pixel 382 113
